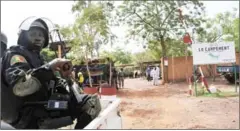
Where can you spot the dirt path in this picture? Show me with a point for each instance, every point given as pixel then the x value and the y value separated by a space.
pixel 169 107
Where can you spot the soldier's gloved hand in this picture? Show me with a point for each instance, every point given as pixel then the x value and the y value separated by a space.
pixel 61 86
pixel 64 66
pixel 91 105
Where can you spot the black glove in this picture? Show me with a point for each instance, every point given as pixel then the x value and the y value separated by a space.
pixel 64 66
pixel 91 105
pixel 43 74
pixel 61 86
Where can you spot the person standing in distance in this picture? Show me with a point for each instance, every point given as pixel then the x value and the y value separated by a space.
pixel 121 78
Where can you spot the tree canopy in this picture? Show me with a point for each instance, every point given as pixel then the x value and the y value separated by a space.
pixel 119 56
pixel 158 23
pixel 223 27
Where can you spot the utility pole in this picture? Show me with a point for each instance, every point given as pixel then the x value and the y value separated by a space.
pixel 238 68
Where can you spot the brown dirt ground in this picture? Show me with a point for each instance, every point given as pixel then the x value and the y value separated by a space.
pixel 145 106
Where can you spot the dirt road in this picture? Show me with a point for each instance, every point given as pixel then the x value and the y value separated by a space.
pixel 169 107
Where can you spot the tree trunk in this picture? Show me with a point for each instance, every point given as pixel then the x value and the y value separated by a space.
pixel 164 54
pixel 211 71
pixel 88 71
pixel 110 73
pixel 98 54
pixel 186 61
pixel 91 50
pixel 214 77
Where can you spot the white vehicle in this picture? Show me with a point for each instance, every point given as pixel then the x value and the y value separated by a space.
pixel 109 118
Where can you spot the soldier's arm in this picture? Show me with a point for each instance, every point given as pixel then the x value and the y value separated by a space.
pixel 22 78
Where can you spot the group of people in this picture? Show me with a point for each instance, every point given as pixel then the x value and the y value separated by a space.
pixel 27 78
pixel 117 78
pixel 153 73
pixel 116 81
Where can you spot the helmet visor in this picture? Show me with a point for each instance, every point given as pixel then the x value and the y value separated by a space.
pixel 4 38
pixel 27 23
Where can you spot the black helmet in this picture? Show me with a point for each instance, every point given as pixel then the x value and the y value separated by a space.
pixel 4 42
pixel 29 23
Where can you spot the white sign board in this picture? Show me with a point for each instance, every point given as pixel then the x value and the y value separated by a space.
pixel 213 53
pixel 165 62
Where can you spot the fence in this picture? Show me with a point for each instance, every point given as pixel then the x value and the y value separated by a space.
pixel 179 69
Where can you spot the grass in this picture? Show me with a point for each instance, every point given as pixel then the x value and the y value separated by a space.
pixel 202 92
pixel 221 94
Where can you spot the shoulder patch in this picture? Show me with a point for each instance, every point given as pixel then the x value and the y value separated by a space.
pixel 17 59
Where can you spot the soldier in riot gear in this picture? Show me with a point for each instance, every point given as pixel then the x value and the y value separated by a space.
pixel 27 79
pixel 3 43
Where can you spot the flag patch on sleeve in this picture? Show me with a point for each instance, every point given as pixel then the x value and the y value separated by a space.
pixel 17 59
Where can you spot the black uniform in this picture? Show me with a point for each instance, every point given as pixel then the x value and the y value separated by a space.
pixel 4 42
pixel 16 63
pixel 10 112
pixel 10 75
pixel 29 63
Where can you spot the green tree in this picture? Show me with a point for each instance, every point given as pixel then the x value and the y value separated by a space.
pixel 174 48
pixel 48 55
pixel 159 20
pixel 119 56
pixel 89 30
pixel 156 20
pixel 96 15
pixel 223 27
pixel 147 55
pixel 233 34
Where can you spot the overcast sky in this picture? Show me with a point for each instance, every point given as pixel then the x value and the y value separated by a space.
pixel 14 12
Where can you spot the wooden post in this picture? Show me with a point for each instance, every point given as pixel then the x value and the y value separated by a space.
pixel 173 69
pixel 200 69
pixel 59 51
pixel 165 69
pixel 235 76
pixel 204 81
pixel 186 59
pixel 194 78
pixel 110 73
pixel 162 70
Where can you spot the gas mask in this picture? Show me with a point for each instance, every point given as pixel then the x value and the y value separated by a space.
pixel 36 38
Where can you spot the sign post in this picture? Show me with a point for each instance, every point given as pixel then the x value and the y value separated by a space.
pixel 195 78
pixel 235 76
pixel 214 53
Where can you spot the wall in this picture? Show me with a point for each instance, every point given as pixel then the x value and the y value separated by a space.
pixel 179 69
